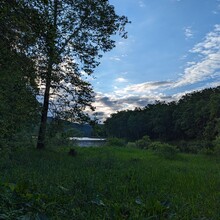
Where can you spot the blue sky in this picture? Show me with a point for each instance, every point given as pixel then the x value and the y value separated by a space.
pixel 173 47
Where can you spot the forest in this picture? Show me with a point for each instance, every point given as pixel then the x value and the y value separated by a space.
pixel 196 116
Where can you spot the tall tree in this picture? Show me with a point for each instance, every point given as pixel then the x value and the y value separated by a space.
pixel 77 33
pixel 18 104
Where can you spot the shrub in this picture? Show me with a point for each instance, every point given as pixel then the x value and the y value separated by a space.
pixel 195 146
pixel 217 150
pixel 166 150
pixel 143 143
pixel 216 143
pixel 131 145
pixel 207 151
pixel 116 142
pixel 154 145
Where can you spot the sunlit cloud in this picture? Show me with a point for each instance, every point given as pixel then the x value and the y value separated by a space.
pixel 121 80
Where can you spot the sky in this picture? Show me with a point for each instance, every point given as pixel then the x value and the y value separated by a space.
pixel 173 47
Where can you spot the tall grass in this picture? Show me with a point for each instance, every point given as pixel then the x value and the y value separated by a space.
pixel 109 183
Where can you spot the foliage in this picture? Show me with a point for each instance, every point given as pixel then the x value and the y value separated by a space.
pixel 115 142
pixel 195 146
pixel 207 151
pixel 131 145
pixel 196 116
pixel 18 105
pixel 77 33
pixel 143 143
pixel 53 46
pixel 216 143
pixel 32 206
pixel 166 150
pixel 154 145
pixel 59 133
pixel 217 150
pixel 108 183
pixel 98 130
pixel 213 149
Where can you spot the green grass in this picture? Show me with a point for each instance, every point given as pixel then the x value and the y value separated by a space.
pixel 109 183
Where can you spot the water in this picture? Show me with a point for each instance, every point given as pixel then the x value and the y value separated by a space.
pixel 89 142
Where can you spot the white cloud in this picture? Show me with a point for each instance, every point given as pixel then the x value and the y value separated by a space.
pixel 141 4
pixel 121 80
pixel 115 58
pixel 209 65
pixel 188 32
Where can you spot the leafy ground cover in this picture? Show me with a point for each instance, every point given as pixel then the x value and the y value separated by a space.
pixel 108 183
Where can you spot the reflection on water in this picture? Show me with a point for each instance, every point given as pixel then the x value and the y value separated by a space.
pixel 88 142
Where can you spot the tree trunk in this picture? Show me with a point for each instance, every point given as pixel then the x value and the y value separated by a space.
pixel 43 123
pixel 51 55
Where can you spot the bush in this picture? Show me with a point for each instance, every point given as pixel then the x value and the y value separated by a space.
pixel 195 146
pixel 217 150
pixel 165 150
pixel 143 143
pixel 207 151
pixel 116 142
pixel 131 145
pixel 154 145
pixel 216 143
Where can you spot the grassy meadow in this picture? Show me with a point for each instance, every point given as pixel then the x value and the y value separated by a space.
pixel 108 183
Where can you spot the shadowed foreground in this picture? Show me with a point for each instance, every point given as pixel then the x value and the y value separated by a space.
pixel 108 183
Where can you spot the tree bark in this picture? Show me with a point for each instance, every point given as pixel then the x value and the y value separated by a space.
pixel 43 123
pixel 51 55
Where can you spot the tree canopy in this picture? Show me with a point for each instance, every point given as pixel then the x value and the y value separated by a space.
pixel 18 89
pixel 195 116
pixel 63 41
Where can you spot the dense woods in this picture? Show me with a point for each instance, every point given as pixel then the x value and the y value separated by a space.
pixel 196 116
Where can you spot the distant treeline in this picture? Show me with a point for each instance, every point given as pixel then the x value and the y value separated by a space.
pixel 195 116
